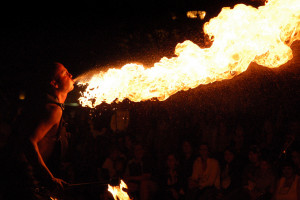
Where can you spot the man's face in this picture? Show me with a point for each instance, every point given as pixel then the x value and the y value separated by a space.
pixel 203 150
pixel 138 151
pixel 253 157
pixel 64 79
pixel 228 156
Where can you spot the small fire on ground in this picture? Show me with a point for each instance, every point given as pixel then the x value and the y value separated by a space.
pixel 117 191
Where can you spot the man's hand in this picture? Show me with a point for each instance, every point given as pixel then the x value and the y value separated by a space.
pixel 59 183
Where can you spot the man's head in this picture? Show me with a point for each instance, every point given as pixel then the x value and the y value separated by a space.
pixel 62 80
pixel 138 151
pixel 288 168
pixel 254 154
pixel 203 150
pixel 56 78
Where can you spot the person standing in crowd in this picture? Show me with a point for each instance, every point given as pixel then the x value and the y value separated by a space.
pixel 36 145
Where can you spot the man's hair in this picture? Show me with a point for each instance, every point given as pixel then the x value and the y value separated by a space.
pixel 288 163
pixel 44 73
pixel 47 73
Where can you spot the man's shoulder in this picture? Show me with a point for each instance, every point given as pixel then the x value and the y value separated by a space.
pixel 52 107
pixel 53 111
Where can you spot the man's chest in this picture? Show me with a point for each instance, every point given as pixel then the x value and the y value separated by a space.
pixel 48 143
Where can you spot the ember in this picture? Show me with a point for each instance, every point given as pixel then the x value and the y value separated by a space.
pixel 240 36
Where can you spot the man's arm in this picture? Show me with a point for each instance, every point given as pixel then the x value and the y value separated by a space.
pixel 50 119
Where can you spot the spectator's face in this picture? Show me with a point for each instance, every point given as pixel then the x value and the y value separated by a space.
pixel 139 152
pixel 228 156
pixel 264 165
pixel 128 141
pixel 114 154
pixel 296 157
pixel 186 147
pixel 171 161
pixel 288 171
pixel 253 157
pixel 203 150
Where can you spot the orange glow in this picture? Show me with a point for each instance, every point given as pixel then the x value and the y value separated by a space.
pixel 240 36
pixel 195 14
pixel 118 192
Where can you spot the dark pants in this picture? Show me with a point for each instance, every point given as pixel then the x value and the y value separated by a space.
pixel 207 193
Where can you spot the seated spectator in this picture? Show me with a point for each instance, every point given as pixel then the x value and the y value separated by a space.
pixel 288 187
pixel 230 173
pixel 139 175
pixel 205 179
pixel 252 166
pixel 186 161
pixel 113 166
pixel 170 180
pixel 262 185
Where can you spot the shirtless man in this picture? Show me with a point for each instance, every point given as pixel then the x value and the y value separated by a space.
pixel 35 146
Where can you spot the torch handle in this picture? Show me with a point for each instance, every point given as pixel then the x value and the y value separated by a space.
pixel 89 183
pixel 111 182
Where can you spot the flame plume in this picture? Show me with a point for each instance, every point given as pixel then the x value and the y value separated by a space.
pixel 240 36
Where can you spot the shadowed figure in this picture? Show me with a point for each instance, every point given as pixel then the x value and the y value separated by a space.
pixel 36 146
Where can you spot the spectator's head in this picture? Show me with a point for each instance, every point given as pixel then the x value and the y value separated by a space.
pixel 295 154
pixel 229 155
pixel 172 161
pixel 187 147
pixel 265 164
pixel 114 153
pixel 203 151
pixel 128 140
pixel 288 169
pixel 138 151
pixel 254 154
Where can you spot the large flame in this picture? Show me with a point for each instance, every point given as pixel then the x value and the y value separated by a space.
pixel 240 36
pixel 118 192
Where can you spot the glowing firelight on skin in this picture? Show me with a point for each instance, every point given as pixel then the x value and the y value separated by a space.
pixel 118 192
pixel 240 36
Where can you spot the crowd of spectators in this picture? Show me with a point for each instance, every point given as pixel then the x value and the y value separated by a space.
pixel 189 159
